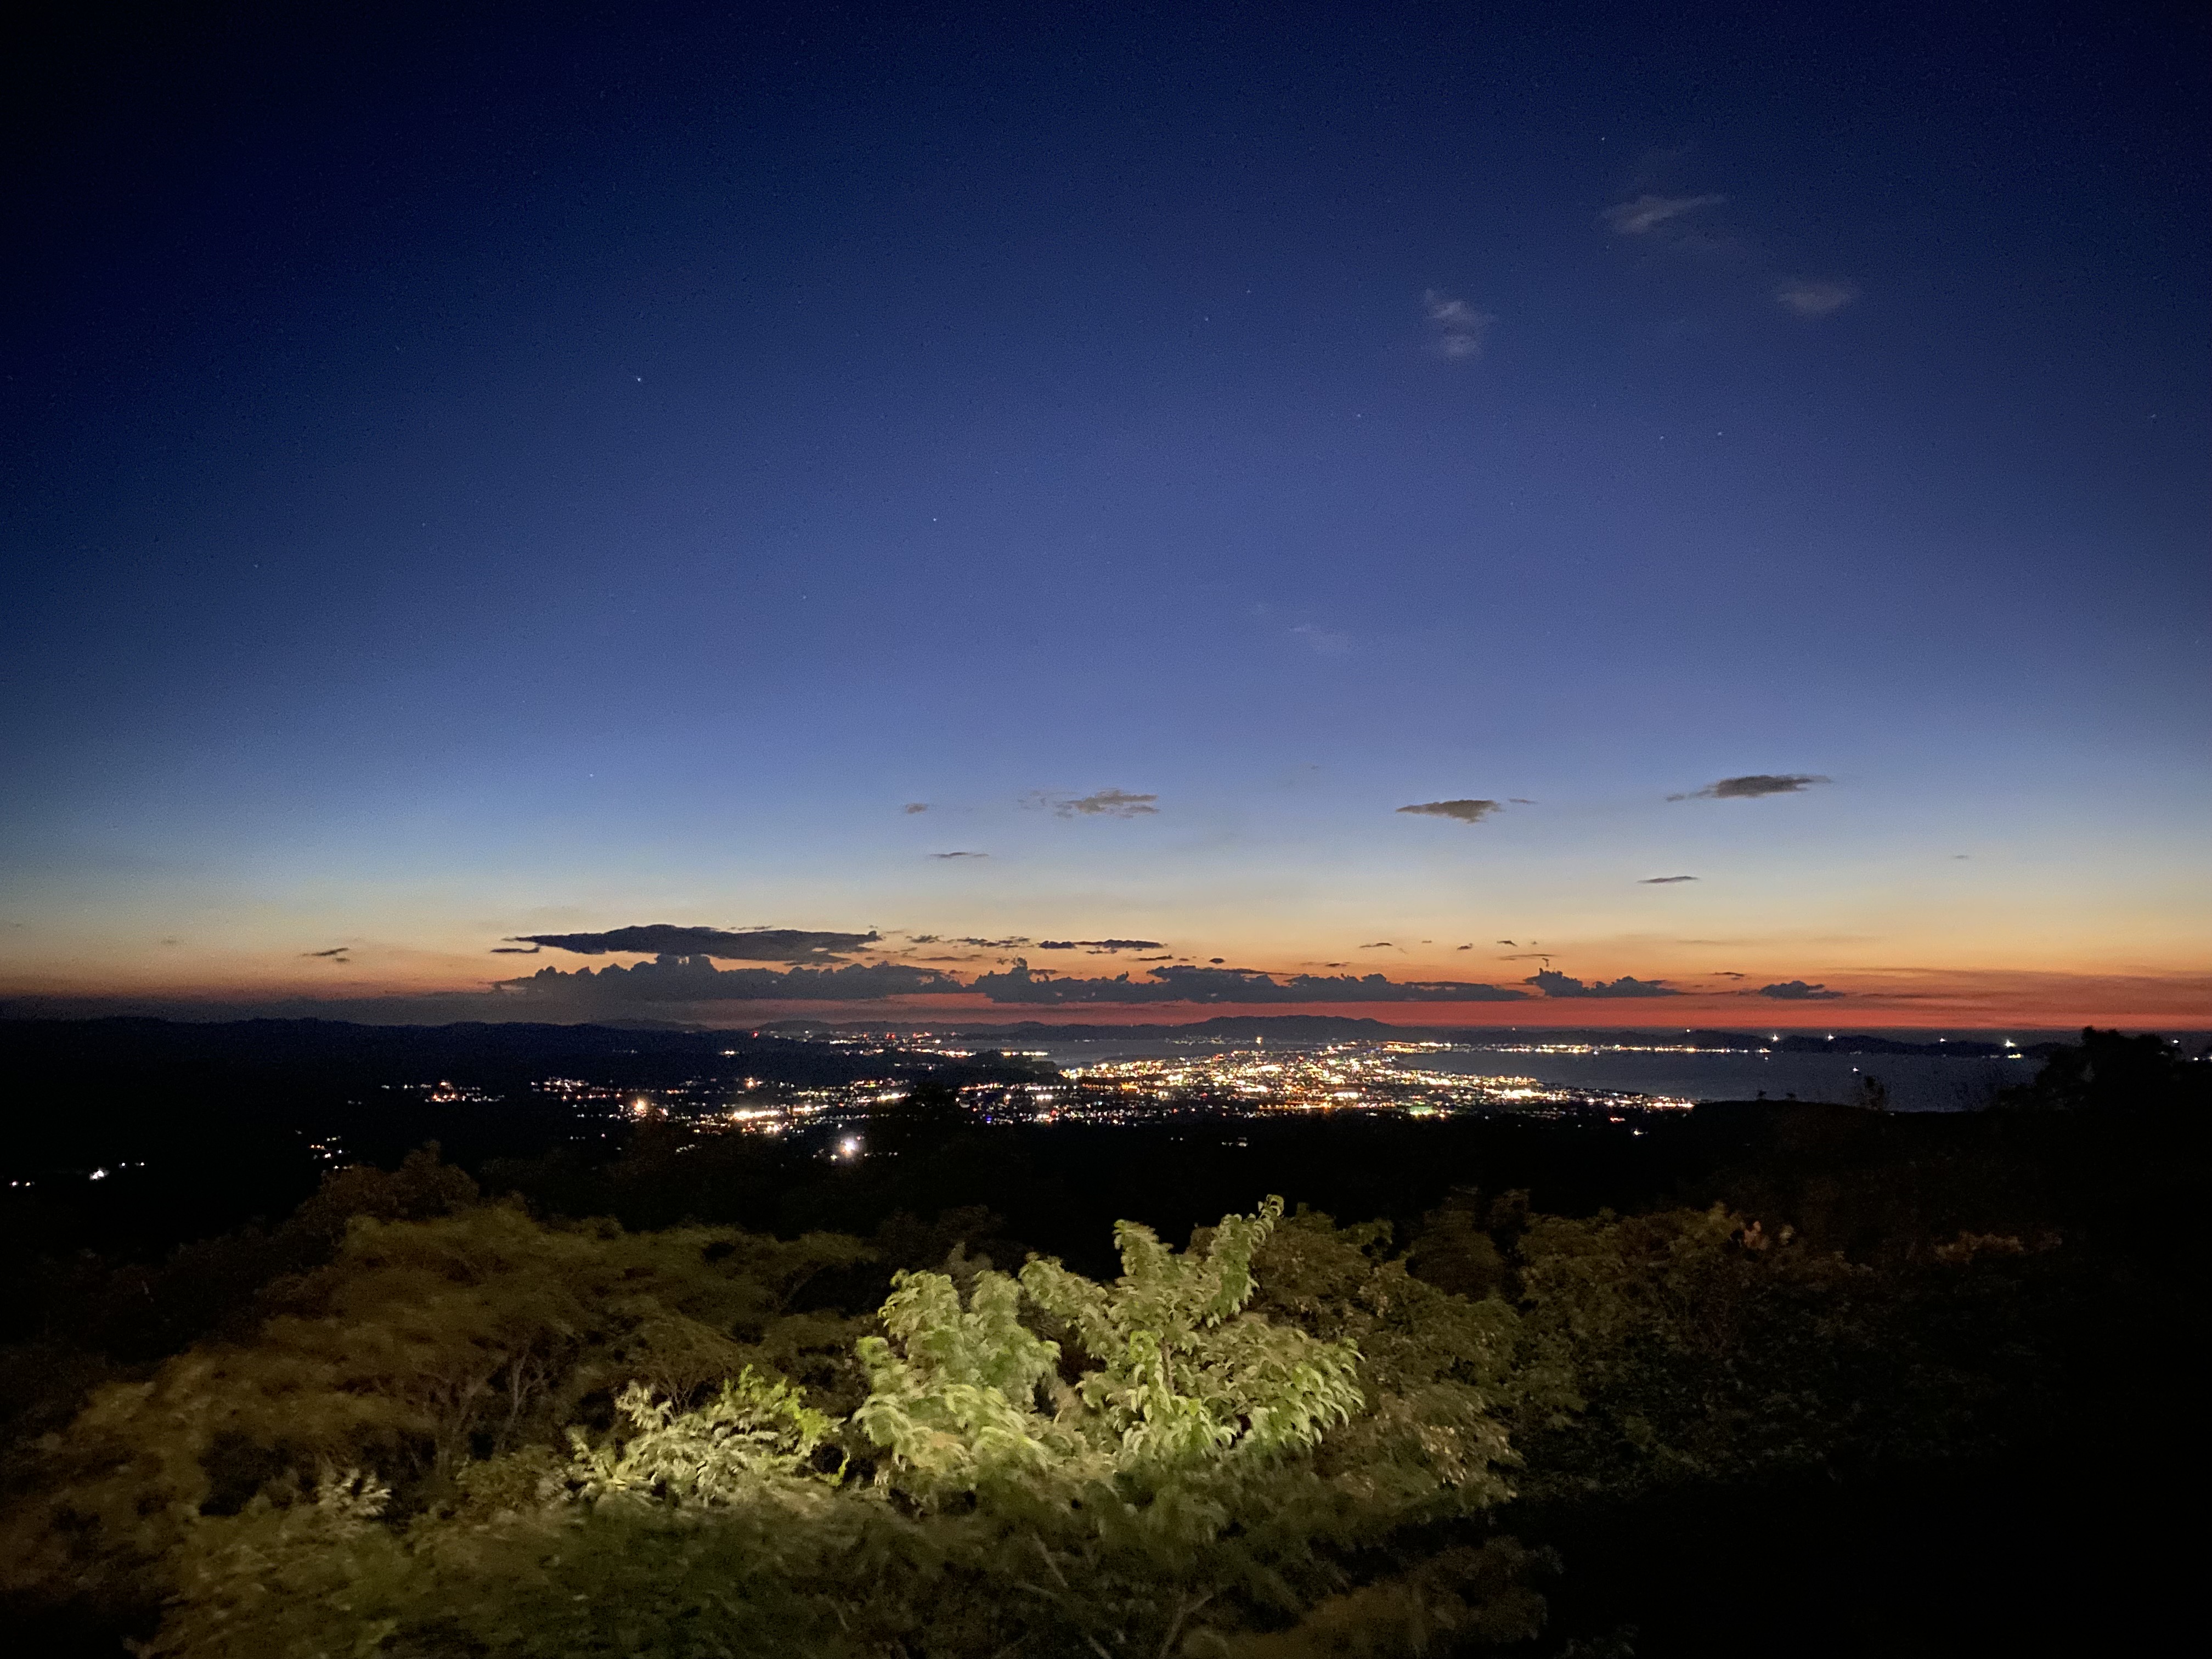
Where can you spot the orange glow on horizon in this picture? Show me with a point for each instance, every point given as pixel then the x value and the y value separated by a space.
pixel 428 990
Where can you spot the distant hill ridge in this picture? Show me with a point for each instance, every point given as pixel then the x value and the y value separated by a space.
pixel 277 1040
pixel 1325 1027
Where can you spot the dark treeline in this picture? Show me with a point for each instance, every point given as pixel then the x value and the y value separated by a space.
pixel 1773 1377
pixel 205 1127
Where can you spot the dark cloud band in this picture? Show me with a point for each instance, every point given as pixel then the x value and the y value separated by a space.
pixel 1100 804
pixel 694 979
pixel 1023 984
pixel 749 945
pixel 1100 945
pixel 1795 990
pixel 1752 785
pixel 1554 984
pixel 1466 811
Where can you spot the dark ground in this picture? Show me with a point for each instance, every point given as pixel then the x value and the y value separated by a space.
pixel 2064 1543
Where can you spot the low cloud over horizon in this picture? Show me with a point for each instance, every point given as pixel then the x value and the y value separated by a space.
pixel 746 945
pixel 1554 984
pixel 694 979
pixel 1023 984
pixel 671 979
pixel 946 986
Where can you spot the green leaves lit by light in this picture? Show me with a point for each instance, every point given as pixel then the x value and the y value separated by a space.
pixel 753 1438
pixel 1182 1381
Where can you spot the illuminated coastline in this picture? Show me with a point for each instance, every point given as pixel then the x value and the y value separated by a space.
pixel 1349 1075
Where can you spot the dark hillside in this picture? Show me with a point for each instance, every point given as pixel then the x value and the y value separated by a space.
pixel 1764 1376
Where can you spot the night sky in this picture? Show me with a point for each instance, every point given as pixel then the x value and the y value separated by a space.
pixel 966 488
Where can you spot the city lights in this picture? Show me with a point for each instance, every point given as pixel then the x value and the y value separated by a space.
pixel 1372 1076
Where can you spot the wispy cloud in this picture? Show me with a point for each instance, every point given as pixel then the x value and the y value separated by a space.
pixel 1684 225
pixel 1104 804
pixel 1648 212
pixel 1322 641
pixel 959 855
pixel 515 950
pixel 915 806
pixel 1663 881
pixel 1562 984
pixel 1100 947
pixel 1465 811
pixel 1752 785
pixel 340 951
pixel 1458 331
pixel 1795 990
pixel 747 944
pixel 1813 299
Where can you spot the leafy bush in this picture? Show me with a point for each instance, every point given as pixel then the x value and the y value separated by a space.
pixel 469 1431
pixel 1040 1463
pixel 420 1346
pixel 1698 1346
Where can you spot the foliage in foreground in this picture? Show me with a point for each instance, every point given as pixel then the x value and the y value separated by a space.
pixel 473 1432
pixel 476 1433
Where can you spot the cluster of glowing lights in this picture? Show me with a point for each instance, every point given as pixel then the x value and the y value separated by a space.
pixel 1586 1048
pixel 1341 1075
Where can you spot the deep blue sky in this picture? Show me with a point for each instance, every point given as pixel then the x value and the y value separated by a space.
pixel 581 467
